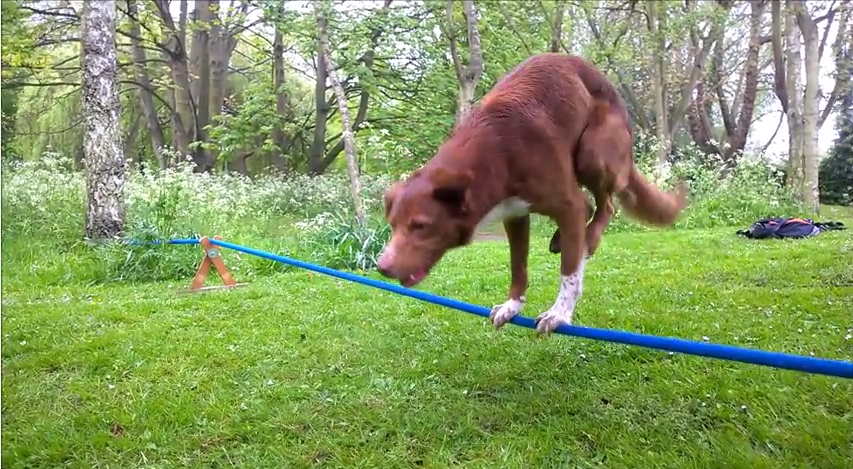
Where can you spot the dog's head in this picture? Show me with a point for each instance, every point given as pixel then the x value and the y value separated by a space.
pixel 429 214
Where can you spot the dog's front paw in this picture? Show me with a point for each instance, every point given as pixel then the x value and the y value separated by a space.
pixel 571 287
pixel 550 320
pixel 503 313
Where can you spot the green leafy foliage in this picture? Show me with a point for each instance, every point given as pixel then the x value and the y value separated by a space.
pixel 18 36
pixel 338 241
pixel 836 178
pixel 836 170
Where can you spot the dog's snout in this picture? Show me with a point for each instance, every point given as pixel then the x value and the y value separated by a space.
pixel 383 265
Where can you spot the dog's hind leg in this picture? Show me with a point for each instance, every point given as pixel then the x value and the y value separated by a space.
pixel 603 162
pixel 604 211
pixel 518 235
pixel 554 244
pixel 572 262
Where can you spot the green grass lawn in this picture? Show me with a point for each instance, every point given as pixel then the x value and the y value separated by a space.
pixel 301 370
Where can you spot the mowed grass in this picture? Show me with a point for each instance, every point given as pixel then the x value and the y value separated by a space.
pixel 302 370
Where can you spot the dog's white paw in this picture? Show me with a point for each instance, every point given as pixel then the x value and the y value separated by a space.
pixel 503 313
pixel 571 288
pixel 550 320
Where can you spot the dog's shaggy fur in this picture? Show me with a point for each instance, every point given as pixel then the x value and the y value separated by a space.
pixel 549 127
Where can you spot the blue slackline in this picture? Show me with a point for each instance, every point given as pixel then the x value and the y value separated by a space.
pixel 823 366
pixel 134 242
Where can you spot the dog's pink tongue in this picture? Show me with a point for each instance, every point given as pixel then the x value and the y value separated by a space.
pixel 415 278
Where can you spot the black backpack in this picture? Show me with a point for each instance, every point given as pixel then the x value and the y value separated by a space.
pixel 788 228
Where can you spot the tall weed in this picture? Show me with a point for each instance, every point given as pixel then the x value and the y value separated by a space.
pixel 337 240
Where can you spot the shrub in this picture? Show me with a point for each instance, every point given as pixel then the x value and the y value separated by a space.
pixel 338 241
pixel 836 176
pixel 719 196
pixel 43 199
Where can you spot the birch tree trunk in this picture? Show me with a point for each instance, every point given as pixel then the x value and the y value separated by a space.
pixel 343 109
pixel 811 108
pixel 104 162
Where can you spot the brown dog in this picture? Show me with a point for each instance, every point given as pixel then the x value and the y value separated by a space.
pixel 547 128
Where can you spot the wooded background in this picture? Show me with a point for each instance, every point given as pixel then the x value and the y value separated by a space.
pixel 244 86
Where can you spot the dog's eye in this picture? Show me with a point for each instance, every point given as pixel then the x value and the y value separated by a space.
pixel 416 225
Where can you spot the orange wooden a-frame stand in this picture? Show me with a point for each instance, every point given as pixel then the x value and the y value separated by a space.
pixel 212 257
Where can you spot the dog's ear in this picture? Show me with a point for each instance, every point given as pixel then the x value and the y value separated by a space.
pixel 451 188
pixel 390 195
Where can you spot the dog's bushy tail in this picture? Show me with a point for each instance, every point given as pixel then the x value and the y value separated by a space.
pixel 649 204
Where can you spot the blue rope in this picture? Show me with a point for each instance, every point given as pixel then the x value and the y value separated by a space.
pixel 134 242
pixel 838 368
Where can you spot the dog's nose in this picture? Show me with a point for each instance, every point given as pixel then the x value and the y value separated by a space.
pixel 382 265
pixel 385 263
pixel 383 270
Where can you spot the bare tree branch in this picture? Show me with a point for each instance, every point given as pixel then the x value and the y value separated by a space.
pixel 775 132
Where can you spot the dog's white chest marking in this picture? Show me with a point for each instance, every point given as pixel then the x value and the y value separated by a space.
pixel 509 208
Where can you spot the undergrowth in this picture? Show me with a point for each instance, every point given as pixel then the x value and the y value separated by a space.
pixel 307 217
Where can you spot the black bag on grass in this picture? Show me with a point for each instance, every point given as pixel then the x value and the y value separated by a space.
pixel 788 228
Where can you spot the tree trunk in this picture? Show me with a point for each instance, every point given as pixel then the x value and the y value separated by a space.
pixel 468 75
pixel 183 115
pixel 280 139
pixel 692 74
pixel 145 88
pixel 795 178
pixel 130 139
pixel 636 111
pixel 557 29
pixel 780 81
pixel 105 165
pixel 240 163
pixel 200 61
pixel 658 84
pixel 322 107
pixel 843 40
pixel 343 109
pixel 367 60
pixel 222 42
pixel 811 107
pixel 737 138
pixel 219 55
